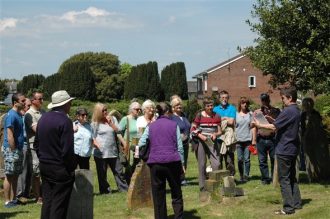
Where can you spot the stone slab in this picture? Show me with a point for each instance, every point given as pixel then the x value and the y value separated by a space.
pixel 212 185
pixel 229 181
pixel 139 193
pixel 81 200
pixel 218 174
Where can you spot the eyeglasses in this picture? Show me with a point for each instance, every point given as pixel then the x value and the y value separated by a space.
pixel 104 110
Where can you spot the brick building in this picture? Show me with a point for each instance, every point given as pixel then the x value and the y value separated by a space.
pixel 239 77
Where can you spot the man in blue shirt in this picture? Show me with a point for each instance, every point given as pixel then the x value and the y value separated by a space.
pixel 13 148
pixel 286 126
pixel 227 112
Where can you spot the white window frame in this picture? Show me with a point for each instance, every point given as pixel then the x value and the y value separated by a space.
pixel 254 80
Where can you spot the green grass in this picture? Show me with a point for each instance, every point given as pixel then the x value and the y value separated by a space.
pixel 260 201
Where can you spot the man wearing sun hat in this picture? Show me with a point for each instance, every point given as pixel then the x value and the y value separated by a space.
pixel 55 149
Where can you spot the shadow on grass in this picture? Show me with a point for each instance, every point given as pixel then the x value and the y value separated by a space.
pixel 305 201
pixel 11 214
pixel 188 214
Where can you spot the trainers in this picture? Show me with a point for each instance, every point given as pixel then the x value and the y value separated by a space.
pixel 281 212
pixel 10 204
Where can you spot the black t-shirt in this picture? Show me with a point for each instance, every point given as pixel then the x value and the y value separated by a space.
pixel 287 125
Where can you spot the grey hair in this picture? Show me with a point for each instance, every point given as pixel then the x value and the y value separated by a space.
pixel 148 103
pixel 132 106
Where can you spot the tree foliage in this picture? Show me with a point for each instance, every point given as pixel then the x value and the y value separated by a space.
pixel 103 65
pixel 174 80
pixel 31 83
pixel 143 82
pixel 294 42
pixel 78 79
pixel 3 90
pixel 51 84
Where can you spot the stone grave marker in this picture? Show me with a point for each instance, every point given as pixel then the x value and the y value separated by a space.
pixel 81 200
pixel 139 193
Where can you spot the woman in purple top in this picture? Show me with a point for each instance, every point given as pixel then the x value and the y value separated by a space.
pixel 165 161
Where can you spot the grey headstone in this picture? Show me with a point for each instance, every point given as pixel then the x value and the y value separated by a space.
pixel 81 201
pixel 229 181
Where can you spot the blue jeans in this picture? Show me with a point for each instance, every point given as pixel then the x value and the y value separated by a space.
pixel 265 146
pixel 289 186
pixel 243 158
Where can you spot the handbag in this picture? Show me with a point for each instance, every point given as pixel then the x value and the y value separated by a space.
pixel 144 151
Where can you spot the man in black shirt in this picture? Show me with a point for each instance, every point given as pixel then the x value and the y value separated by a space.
pixel 54 147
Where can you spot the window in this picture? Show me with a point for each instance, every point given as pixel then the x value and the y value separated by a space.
pixel 252 81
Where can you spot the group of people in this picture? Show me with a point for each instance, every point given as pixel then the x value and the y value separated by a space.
pixel 52 146
pixel 218 131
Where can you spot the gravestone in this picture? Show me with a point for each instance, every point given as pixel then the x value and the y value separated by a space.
pixel 81 200
pixel 212 186
pixel 139 193
pixel 229 188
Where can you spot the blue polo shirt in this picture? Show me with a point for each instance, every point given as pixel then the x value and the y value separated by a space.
pixel 287 125
pixel 227 111
pixel 14 120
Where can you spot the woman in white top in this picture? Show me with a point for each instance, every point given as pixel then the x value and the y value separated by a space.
pixel 245 137
pixel 106 151
pixel 83 138
pixel 148 110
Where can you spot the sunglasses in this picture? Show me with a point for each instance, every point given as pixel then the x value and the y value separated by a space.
pixel 137 109
pixel 41 98
pixel 84 114
pixel 209 105
pixel 104 110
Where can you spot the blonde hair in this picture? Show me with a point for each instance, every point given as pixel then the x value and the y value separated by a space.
pixel 176 101
pixel 97 112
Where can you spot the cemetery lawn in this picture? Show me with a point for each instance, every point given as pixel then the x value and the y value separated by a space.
pixel 260 201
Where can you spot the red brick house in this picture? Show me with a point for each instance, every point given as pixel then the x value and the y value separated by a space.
pixel 239 77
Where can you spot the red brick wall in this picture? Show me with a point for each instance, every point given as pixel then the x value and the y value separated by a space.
pixel 234 79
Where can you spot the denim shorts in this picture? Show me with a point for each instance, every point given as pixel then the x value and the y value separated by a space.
pixel 13 160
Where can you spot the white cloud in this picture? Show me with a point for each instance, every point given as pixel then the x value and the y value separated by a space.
pixel 91 12
pixel 7 23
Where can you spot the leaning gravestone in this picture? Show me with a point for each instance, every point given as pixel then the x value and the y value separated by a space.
pixel 139 192
pixel 81 200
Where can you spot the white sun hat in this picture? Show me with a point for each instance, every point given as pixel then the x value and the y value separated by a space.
pixel 59 98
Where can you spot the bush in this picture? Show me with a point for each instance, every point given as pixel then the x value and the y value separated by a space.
pixel 322 104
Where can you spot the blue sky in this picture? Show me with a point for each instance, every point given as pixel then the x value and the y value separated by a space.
pixel 37 36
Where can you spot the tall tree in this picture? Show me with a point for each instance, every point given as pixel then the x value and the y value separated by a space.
pixel 143 82
pixel 102 66
pixel 31 83
pixel 174 80
pixel 294 42
pixel 78 79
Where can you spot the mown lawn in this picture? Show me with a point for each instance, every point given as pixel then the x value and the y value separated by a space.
pixel 260 201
